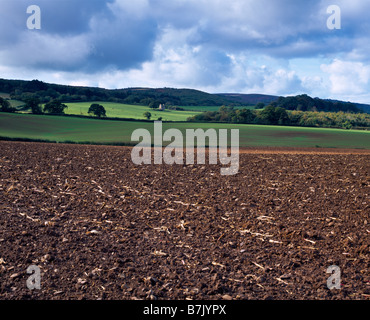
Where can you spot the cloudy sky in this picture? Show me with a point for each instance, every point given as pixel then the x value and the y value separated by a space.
pixel 280 47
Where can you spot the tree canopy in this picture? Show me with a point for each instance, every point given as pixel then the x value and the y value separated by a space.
pixel 98 110
pixel 272 115
pixel 147 115
pixel 34 105
pixel 304 102
pixel 55 106
pixel 5 106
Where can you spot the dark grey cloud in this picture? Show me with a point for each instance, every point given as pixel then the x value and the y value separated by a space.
pixel 59 17
pixel 122 41
pixel 98 35
pixel 69 17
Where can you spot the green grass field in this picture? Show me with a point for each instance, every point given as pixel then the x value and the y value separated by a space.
pixel 16 103
pixel 4 95
pixel 61 129
pixel 13 103
pixel 119 110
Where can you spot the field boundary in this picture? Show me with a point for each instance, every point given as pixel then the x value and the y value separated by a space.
pixel 91 143
pixel 242 150
pixel 182 121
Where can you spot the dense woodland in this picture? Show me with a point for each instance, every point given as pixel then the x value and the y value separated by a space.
pixel 305 103
pixel 272 115
pixel 44 92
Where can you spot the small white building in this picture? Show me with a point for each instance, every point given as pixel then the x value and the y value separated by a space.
pixel 161 107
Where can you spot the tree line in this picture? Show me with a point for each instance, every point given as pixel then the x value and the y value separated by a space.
pixel 52 107
pixel 5 106
pixel 306 103
pixel 45 92
pixel 273 115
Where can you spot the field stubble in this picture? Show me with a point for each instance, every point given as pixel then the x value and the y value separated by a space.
pixel 100 227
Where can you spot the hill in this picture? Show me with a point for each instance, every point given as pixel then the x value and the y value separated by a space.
pixel 180 97
pixel 364 107
pixel 304 102
pixel 21 90
pixel 249 99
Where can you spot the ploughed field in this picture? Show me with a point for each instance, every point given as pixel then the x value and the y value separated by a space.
pixel 100 227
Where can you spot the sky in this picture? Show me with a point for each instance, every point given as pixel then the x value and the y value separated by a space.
pixel 278 47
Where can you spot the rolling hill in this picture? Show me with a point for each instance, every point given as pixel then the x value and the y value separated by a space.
pixel 21 90
pixel 249 99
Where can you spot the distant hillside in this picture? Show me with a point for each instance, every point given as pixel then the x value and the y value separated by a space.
pixel 304 102
pixel 22 90
pixel 249 99
pixel 363 107
pixel 180 97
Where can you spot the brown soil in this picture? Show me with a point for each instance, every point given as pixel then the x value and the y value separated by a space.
pixel 100 227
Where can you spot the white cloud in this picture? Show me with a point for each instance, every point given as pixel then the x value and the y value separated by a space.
pixel 315 84
pixel 282 81
pixel 348 77
pixel 138 8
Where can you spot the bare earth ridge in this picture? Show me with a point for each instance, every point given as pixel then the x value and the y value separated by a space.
pixel 100 227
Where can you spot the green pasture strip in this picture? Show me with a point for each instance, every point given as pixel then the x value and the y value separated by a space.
pixel 16 103
pixel 78 130
pixel 59 128
pixel 119 110
pixel 279 136
pixel 13 103
pixel 4 95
